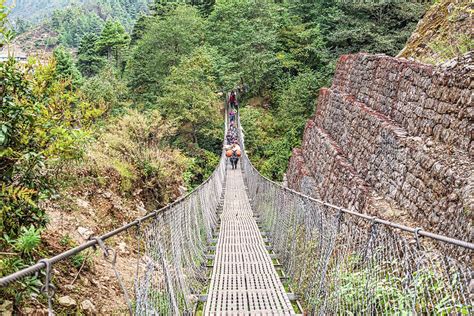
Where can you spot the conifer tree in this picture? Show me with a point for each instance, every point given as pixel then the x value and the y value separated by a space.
pixel 89 61
pixel 113 40
pixel 65 67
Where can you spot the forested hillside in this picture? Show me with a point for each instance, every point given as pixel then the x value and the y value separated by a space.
pixel 134 118
pixel 307 38
pixel 34 11
pixel 43 25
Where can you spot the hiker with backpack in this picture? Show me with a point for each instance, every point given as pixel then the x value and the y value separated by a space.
pixel 229 138
pixel 232 99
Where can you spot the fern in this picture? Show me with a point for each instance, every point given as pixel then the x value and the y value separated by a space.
pixel 18 193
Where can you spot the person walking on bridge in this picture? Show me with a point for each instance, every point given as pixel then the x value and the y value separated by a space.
pixel 232 99
pixel 229 138
pixel 236 152
pixel 232 116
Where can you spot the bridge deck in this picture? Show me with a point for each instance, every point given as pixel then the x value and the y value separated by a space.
pixel 244 280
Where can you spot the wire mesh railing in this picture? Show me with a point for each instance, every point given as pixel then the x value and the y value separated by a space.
pixel 170 269
pixel 343 262
pixel 337 260
pixel 173 272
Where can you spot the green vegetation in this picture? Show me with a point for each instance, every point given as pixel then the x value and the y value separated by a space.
pixel 65 67
pixel 442 34
pixel 393 293
pixel 71 20
pixel 38 134
pixel 137 108
pixel 200 308
pixel 446 49
pixel 89 61
pixel 166 40
pixel 113 41
pixel 305 38
pixel 73 123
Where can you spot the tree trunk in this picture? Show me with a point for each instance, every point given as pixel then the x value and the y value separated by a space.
pixel 194 134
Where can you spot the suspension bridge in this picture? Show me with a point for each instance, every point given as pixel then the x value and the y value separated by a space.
pixel 240 244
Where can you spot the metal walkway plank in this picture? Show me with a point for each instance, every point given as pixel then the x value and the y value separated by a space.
pixel 244 280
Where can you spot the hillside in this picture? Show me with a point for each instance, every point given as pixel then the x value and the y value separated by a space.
pixel 47 24
pixel 35 11
pixel 444 32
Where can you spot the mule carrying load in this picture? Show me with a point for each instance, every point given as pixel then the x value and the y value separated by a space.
pixel 230 153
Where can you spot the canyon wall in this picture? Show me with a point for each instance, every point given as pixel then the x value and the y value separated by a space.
pixel 393 138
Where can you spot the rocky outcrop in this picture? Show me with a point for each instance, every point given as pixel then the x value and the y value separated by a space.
pixel 444 33
pixel 393 138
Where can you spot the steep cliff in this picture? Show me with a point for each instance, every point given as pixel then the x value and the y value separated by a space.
pixel 393 138
pixel 446 31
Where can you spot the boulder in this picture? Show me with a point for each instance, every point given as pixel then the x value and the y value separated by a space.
pixel 67 301
pixel 88 307
pixel 85 232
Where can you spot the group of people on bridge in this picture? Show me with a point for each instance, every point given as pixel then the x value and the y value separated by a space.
pixel 232 147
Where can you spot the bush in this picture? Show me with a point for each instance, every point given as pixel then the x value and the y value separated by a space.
pixel 37 130
pixel 40 130
pixel 103 94
pixel 134 149
pixel 28 240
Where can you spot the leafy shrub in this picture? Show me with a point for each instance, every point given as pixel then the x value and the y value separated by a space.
pixel 78 260
pixel 201 164
pixel 134 149
pixel 103 94
pixel 40 130
pixel 28 240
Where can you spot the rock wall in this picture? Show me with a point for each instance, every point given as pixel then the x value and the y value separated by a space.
pixel 393 138
pixel 424 100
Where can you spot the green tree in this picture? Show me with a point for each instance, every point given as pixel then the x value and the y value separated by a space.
pixel 73 23
pixel 245 34
pixel 166 41
pixel 296 100
pixel 104 93
pixel 352 26
pixel 301 45
pixel 190 99
pixel 139 29
pixel 65 67
pixel 113 40
pixel 163 7
pixel 89 61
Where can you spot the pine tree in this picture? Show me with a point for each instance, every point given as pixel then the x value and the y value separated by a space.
pixel 89 61
pixel 113 41
pixel 65 67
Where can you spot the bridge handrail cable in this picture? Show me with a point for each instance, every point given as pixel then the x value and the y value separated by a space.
pixel 93 241
pixel 417 230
